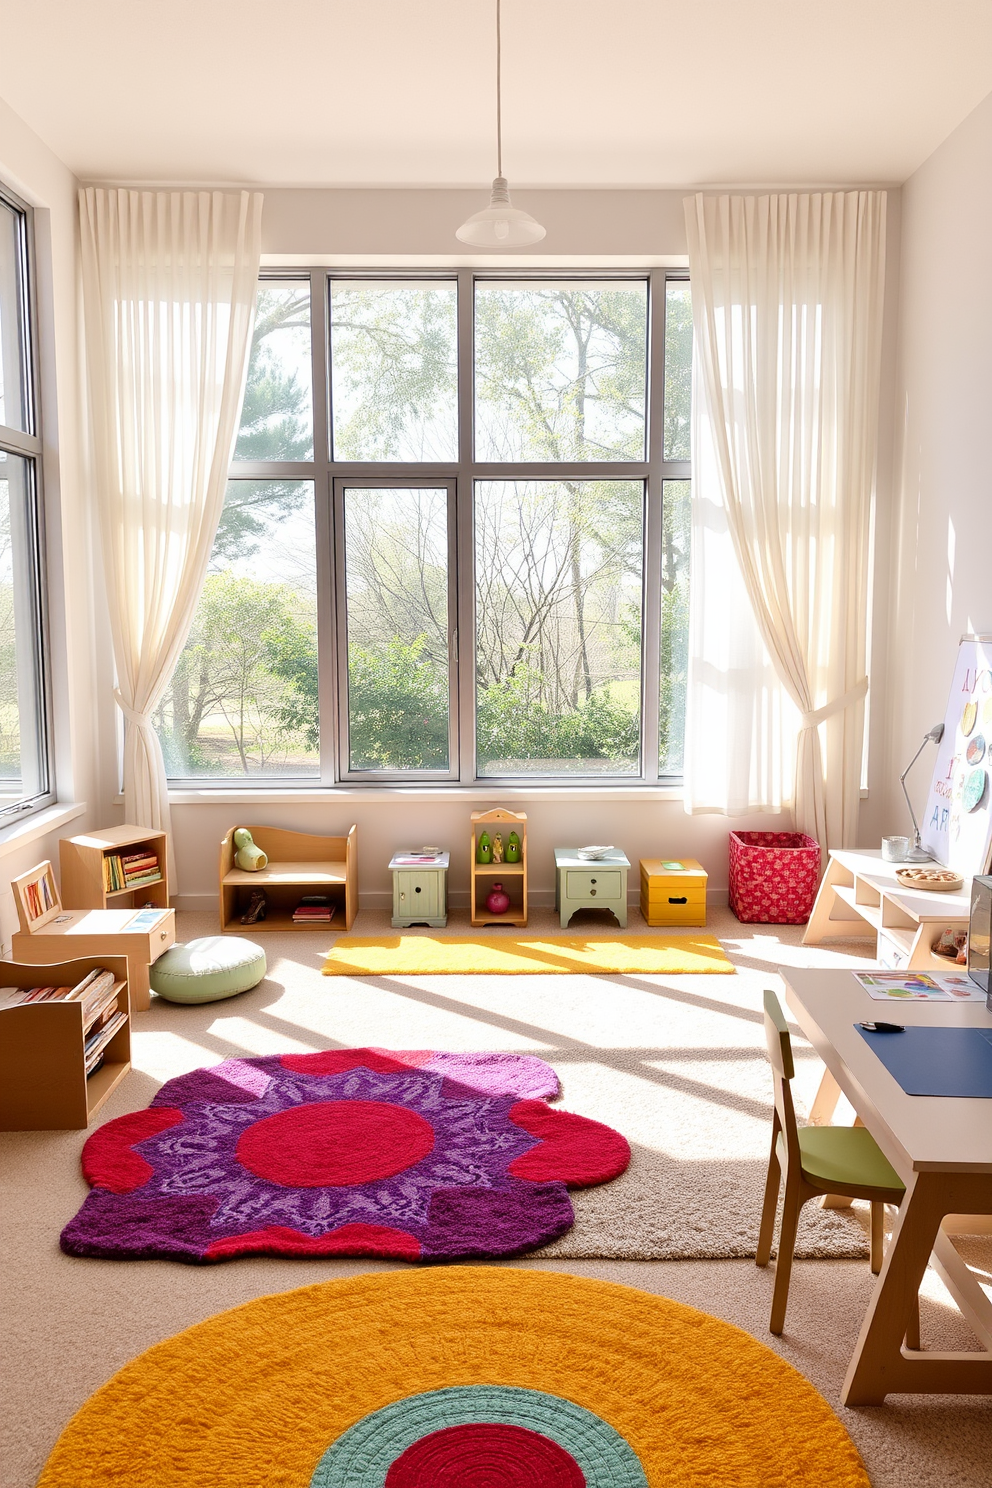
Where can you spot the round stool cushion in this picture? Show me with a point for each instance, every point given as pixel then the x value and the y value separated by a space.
pixel 208 970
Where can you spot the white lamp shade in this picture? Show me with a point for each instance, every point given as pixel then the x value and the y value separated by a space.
pixel 500 225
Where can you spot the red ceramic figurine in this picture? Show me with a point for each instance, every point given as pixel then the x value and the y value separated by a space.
pixel 498 902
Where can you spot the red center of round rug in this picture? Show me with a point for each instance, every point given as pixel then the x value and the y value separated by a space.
pixel 335 1143
pixel 485 1456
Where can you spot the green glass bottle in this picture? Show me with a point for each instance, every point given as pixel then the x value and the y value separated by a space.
pixel 513 848
pixel 483 848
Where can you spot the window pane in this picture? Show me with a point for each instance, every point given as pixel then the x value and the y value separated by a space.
pixel 678 368
pixel 243 698
pixel 674 624
pixel 277 414
pixel 560 371
pixel 23 765
pixel 558 621
pixel 396 565
pixel 394 380
pixel 13 379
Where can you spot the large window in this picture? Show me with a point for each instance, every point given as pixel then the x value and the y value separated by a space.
pixel 455 544
pixel 24 725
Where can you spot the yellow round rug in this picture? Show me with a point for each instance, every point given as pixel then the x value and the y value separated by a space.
pixel 468 1377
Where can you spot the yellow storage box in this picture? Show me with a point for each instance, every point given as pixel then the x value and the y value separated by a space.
pixel 673 891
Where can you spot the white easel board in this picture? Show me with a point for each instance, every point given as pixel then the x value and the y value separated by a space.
pixel 956 828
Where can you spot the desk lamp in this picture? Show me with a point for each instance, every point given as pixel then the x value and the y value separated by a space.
pixel 918 853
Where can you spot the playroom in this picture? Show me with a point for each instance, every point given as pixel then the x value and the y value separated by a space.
pixel 495 738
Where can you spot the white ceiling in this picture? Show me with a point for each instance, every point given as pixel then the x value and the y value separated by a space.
pixel 401 92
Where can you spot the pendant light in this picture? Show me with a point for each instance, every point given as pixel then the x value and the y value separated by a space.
pixel 501 224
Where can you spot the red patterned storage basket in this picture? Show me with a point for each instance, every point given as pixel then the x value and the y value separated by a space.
pixel 773 877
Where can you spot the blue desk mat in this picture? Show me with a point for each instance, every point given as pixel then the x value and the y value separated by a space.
pixel 937 1061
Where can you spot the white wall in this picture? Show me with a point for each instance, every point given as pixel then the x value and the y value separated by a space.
pixel 942 537
pixel 30 169
pixel 405 226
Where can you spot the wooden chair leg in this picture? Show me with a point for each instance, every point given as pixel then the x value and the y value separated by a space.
pixel 772 1183
pixel 913 1327
pixel 877 1236
pixel 786 1248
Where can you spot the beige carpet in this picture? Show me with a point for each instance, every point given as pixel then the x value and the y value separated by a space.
pixel 677 1063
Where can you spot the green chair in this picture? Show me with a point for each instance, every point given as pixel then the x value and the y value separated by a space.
pixel 815 1160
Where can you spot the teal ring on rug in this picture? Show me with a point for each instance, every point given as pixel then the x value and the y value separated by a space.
pixel 207 970
pixel 363 1455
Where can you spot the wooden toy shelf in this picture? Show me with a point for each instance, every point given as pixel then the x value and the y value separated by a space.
pixel 299 863
pixel 513 876
pixel 82 872
pixel 860 896
pixel 43 1081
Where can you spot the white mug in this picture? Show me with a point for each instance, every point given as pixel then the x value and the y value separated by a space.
pixel 894 849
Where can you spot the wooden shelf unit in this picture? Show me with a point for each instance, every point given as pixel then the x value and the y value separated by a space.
pixel 860 895
pixel 81 869
pixel 299 863
pixel 513 876
pixel 43 1083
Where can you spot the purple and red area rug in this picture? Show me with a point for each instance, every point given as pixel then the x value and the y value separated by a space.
pixel 412 1154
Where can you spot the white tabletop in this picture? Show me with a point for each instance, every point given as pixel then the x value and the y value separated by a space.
pixel 916 1132
pixel 401 861
pixel 568 857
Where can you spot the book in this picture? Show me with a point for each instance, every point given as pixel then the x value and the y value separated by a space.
pixel 103 1012
pixel 95 1045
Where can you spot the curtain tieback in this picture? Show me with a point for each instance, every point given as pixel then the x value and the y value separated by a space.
pixel 140 720
pixel 817 716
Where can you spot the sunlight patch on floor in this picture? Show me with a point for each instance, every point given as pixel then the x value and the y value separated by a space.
pixel 255 1039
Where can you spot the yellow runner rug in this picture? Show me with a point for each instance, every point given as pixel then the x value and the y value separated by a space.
pixel 524 955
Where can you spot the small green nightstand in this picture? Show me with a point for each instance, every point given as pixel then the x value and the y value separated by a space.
pixel 583 883
pixel 420 891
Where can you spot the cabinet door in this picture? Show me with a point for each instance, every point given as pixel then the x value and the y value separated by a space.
pixel 418 894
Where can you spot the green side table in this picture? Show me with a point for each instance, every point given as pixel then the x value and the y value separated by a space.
pixel 420 892
pixel 582 884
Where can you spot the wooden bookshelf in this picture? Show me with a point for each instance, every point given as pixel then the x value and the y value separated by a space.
pixel 513 876
pixel 43 1082
pixel 299 863
pixel 82 871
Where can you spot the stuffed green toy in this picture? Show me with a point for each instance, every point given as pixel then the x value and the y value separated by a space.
pixel 247 856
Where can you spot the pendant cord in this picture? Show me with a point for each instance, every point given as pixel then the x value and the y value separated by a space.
pixel 499 110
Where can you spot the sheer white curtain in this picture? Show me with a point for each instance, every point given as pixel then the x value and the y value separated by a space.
pixel 787 319
pixel 169 281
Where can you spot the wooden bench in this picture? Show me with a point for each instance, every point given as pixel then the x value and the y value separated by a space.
pixel 299 863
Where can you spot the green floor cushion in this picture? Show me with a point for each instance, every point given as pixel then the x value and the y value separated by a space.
pixel 208 970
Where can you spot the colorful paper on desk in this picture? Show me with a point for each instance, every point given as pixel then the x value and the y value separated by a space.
pixel 145 919
pixel 936 1061
pixel 918 986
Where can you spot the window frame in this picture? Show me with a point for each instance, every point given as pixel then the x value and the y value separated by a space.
pixel 340 484
pixel 330 476
pixel 29 446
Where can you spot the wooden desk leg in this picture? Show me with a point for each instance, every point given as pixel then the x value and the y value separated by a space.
pixel 880 1365
pixel 138 985
pixel 825 1101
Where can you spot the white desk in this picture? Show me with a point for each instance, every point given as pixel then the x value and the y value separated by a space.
pixel 941 1149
